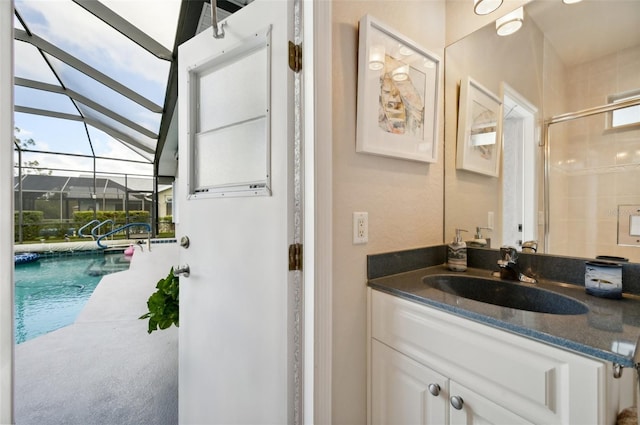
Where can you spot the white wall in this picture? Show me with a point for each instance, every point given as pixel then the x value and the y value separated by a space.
pixel 555 103
pixel 162 202
pixel 404 199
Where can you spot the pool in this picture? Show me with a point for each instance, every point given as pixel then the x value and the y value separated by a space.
pixel 51 292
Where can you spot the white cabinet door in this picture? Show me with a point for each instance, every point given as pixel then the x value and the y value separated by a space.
pixel 400 392
pixel 477 410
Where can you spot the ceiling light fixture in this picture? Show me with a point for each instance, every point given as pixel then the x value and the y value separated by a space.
pixel 510 23
pixel 401 73
pixel 405 51
pixel 376 58
pixel 571 1
pixel 484 7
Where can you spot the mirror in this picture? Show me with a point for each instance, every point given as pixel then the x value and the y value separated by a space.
pixel 564 59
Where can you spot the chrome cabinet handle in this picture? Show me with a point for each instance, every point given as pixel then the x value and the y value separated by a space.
pixel 434 389
pixel 182 271
pixel 457 402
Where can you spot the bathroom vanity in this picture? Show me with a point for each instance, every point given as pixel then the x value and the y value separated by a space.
pixel 440 358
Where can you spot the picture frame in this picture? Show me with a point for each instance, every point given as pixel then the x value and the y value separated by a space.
pixel 479 141
pixel 398 92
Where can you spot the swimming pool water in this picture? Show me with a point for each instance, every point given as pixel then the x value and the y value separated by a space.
pixel 51 292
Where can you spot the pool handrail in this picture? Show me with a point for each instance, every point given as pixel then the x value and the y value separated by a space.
pixel 126 226
pixel 94 221
pixel 99 225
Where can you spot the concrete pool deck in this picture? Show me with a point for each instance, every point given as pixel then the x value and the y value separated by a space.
pixel 104 369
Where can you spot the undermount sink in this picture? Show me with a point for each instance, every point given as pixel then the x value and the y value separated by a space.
pixel 506 294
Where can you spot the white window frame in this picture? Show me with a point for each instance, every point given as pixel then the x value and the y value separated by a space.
pixel 622 97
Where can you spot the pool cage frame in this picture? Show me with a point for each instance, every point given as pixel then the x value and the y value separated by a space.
pixel 158 145
pixel 95 176
pixel 194 16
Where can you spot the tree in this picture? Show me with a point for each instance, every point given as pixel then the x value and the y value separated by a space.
pixel 31 167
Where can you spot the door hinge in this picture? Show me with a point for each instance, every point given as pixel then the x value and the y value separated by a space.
pixel 295 57
pixel 295 256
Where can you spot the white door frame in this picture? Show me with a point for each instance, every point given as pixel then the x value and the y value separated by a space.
pixel 318 269
pixel 526 115
pixel 6 212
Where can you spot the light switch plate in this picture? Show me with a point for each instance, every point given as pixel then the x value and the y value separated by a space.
pixel 629 225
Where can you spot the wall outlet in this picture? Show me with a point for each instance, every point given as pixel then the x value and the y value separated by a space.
pixel 360 227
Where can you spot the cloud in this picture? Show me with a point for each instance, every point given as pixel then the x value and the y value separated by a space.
pixel 73 29
pixel 30 64
pixel 156 18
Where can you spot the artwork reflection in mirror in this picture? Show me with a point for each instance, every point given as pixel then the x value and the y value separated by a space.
pixel 397 95
pixel 478 129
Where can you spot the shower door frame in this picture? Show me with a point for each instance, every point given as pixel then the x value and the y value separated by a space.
pixel 547 149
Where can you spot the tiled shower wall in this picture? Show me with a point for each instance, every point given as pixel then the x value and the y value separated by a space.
pixel 594 170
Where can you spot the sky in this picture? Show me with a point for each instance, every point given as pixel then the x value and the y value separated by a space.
pixel 71 28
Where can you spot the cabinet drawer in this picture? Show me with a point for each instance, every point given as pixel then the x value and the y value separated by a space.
pixel 532 379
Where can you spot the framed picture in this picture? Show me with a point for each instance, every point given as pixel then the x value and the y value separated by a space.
pixel 479 129
pixel 397 95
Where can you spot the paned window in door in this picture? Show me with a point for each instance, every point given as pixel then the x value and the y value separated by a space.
pixel 229 136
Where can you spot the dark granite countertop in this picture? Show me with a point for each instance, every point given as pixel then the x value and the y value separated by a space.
pixel 610 330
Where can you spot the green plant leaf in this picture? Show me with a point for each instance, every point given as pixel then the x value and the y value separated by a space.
pixel 164 304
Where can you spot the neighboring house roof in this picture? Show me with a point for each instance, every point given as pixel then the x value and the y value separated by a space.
pixel 74 187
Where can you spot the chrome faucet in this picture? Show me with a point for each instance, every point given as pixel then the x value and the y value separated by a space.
pixel 509 268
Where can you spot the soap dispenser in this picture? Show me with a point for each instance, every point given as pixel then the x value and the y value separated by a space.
pixel 457 253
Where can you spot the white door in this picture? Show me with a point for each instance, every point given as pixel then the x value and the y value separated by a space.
pixel 235 196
